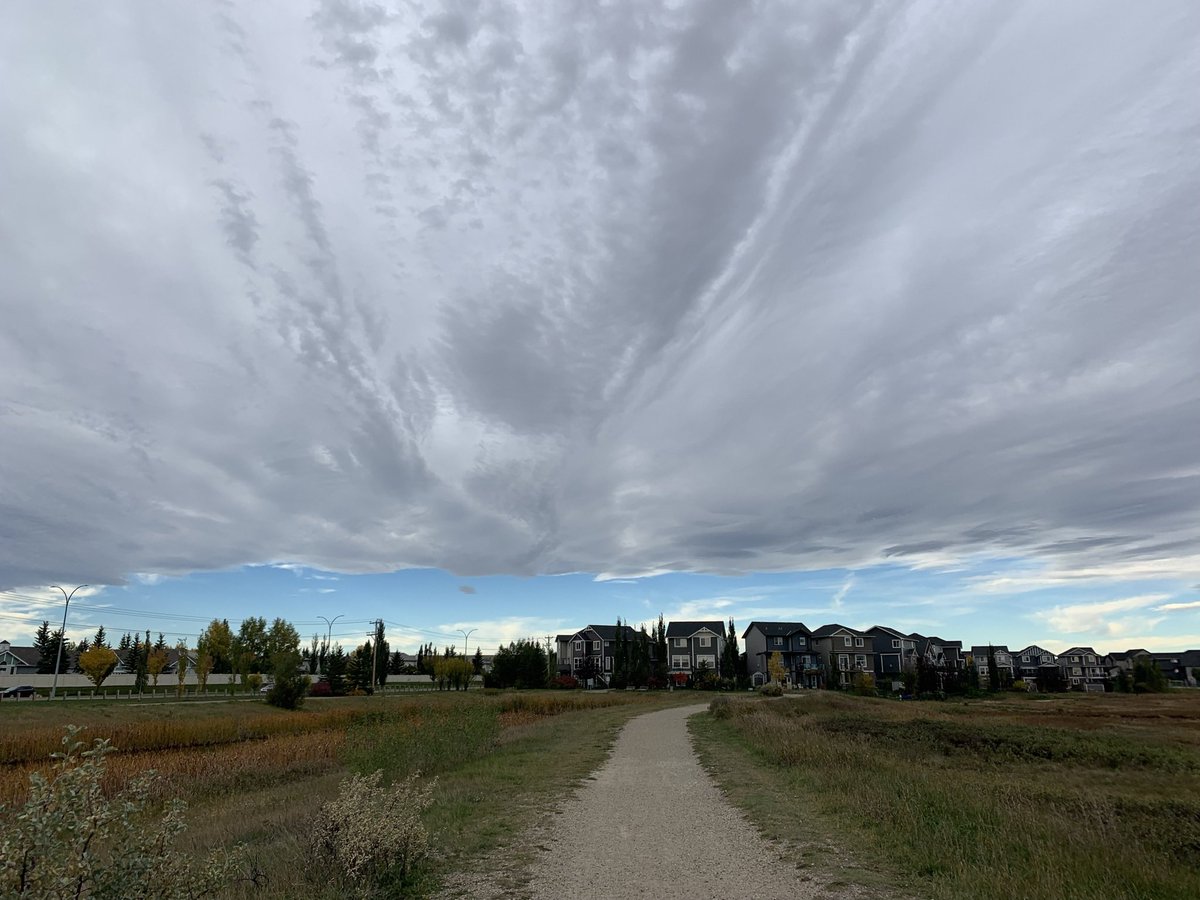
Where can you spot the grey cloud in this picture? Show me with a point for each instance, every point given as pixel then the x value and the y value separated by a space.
pixel 579 287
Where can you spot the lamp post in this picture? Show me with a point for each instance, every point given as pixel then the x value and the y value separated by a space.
pixel 466 637
pixel 62 635
pixel 328 636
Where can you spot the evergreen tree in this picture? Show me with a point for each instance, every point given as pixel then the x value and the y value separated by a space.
pixel 335 669
pixel 382 650
pixel 640 673
pixel 730 654
pixel 477 662
pixel 81 648
pixel 620 665
pixel 101 638
pixel 45 646
pixel 660 653
pixel 993 670
pixel 138 663
pixel 835 673
pixel 396 663
pixel 161 643
pixel 124 645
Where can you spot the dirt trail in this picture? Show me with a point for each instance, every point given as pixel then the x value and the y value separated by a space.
pixel 651 823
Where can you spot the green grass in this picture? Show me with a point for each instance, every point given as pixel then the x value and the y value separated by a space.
pixel 1078 799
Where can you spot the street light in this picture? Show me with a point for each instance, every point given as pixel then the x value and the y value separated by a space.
pixel 62 635
pixel 466 636
pixel 328 637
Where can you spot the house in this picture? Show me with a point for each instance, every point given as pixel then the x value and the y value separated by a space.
pixel 939 653
pixel 691 645
pixel 20 661
pixel 895 652
pixel 1005 672
pixel 1182 667
pixel 1083 668
pixel 847 650
pixel 1033 662
pixel 588 654
pixel 788 639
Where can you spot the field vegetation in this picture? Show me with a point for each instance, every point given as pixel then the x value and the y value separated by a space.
pixel 1078 796
pixel 486 763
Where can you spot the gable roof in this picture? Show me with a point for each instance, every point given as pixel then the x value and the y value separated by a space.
pixel 979 650
pixel 830 630
pixel 687 629
pixel 776 629
pixel 1081 651
pixel 1035 650
pixel 27 656
pixel 890 632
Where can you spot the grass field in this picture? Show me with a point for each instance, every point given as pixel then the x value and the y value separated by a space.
pixel 1075 796
pixel 258 775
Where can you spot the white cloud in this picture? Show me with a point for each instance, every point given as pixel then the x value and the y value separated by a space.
pixel 1177 607
pixel 1093 618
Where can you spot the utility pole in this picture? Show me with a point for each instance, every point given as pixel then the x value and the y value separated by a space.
pixel 375 653
pixel 466 637
pixel 551 657
pixel 62 635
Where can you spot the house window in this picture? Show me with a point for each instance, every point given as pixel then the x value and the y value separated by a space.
pixel 1024 659
pixel 860 662
pixel 680 662
pixel 579 646
pixel 858 642
pixel 608 664
pixel 846 640
pixel 778 641
pixel 895 644
pixel 705 640
pixel 843 661
pixel 801 642
pixel 680 642
pixel 595 646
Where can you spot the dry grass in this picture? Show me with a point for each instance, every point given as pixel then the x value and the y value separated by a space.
pixel 1075 797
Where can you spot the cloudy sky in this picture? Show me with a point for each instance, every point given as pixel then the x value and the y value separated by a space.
pixel 869 312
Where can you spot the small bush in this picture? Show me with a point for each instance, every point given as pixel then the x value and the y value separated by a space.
pixel 320 689
pixel 369 836
pixel 288 693
pixel 565 682
pixel 69 840
pixel 774 689
pixel 720 708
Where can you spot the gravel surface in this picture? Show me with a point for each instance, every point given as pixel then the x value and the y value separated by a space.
pixel 651 823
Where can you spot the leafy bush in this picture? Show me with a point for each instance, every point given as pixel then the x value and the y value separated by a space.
pixel 369 836
pixel 720 708
pixel 565 682
pixel 320 688
pixel 68 839
pixel 864 684
pixel 774 689
pixel 522 664
pixel 289 692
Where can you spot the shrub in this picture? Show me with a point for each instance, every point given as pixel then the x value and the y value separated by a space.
pixel 70 840
pixel 320 689
pixel 369 836
pixel 720 708
pixel 288 692
pixel 864 684
pixel 772 689
pixel 254 681
pixel 1019 686
pixel 565 682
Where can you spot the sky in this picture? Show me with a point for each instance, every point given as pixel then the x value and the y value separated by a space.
pixel 520 316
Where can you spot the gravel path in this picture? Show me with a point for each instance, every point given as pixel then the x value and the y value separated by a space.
pixel 652 823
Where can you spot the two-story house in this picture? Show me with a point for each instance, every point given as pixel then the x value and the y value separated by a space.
pixel 895 652
pixel 693 644
pixel 788 639
pixel 847 650
pixel 1084 668
pixel 1005 672
pixel 939 653
pixel 588 653
pixel 1032 663
pixel 20 660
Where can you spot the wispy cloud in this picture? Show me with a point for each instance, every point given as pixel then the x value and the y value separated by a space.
pixel 1095 617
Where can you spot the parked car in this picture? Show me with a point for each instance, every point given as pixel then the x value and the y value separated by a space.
pixel 266 688
pixel 20 690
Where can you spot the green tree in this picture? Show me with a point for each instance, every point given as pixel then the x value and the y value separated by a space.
pixel 620 664
pixel 101 638
pixel 97 664
pixel 358 668
pixel 204 666
pixel 1148 678
pixel 993 670
pixel 217 640
pixel 660 653
pixel 181 666
pixel 290 687
pixel 382 649
pixel 46 647
pixel 453 673
pixel 477 662
pixel 835 673
pixel 522 664
pixel 156 661
pixel 137 660
pixel 252 636
pixel 639 674
pixel 336 665
pixel 730 654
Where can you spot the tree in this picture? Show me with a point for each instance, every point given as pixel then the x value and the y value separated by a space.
pixel 46 647
pixel 137 658
pixel 358 668
pixel 283 644
pixel 156 661
pixel 101 638
pixel 396 664
pixel 1050 680
pixel 660 652
pixel 1148 678
pixel 620 666
pixel 181 664
pixel 835 673
pixel 124 645
pixel 477 661
pixel 204 666
pixel 161 643
pixel 82 647
pixel 731 655
pixel 775 668
pixel 453 673
pixel 639 674
pixel 381 649
pixel 522 664
pixel 335 670
pixel 217 641
pixel 993 670
pixel 97 664
pixel 252 636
